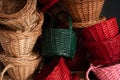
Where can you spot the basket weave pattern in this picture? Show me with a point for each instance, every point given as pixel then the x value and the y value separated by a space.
pixel 21 25
pixel 19 20
pixel 89 23
pixel 101 31
pixel 20 68
pixel 59 42
pixel 18 44
pixel 57 71
pixel 104 52
pixel 105 73
pixel 84 10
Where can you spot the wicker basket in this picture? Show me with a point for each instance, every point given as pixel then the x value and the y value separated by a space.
pixel 20 68
pixel 101 31
pixel 84 10
pixel 105 73
pixel 18 44
pixel 104 52
pixel 23 17
pixel 89 23
pixel 56 70
pixel 59 41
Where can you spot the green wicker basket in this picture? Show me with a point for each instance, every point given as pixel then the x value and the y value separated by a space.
pixel 60 42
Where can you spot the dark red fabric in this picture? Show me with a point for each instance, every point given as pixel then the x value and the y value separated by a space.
pixel 104 52
pixel 47 4
pixel 101 31
pixel 56 70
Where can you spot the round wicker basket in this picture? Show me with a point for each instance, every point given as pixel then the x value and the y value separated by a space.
pixel 20 68
pixel 84 10
pixel 17 44
pixel 20 15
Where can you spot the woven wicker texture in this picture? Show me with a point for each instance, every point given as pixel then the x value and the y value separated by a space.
pixel 105 73
pixel 61 42
pixel 104 52
pixel 22 17
pixel 20 68
pixel 89 23
pixel 56 70
pixel 18 44
pixel 84 10
pixel 101 31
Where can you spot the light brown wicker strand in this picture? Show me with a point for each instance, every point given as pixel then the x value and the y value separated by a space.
pixel 17 42
pixel 9 62
pixel 89 23
pixel 24 19
pixel 83 11
pixel 90 9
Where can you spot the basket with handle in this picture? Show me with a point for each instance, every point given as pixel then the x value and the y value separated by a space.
pixel 61 42
pixel 20 68
pixel 84 10
pixel 18 44
pixel 105 73
pixel 22 17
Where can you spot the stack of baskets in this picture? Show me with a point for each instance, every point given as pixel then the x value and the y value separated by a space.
pixel 19 30
pixel 100 37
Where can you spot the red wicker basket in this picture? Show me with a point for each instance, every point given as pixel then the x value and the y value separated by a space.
pixel 104 52
pixel 56 70
pixel 101 31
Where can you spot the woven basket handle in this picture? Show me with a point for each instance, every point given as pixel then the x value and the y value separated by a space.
pixel 68 17
pixel 4 70
pixel 34 3
pixel 92 68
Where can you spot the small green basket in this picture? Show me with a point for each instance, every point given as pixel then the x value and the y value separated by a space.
pixel 60 42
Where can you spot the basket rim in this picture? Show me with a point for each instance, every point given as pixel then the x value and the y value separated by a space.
pixel 19 35
pixel 89 23
pixel 102 21
pixel 84 1
pixel 20 12
pixel 22 60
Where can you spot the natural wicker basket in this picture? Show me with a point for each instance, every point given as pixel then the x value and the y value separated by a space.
pixel 18 44
pixel 84 10
pixel 20 68
pixel 89 23
pixel 22 17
